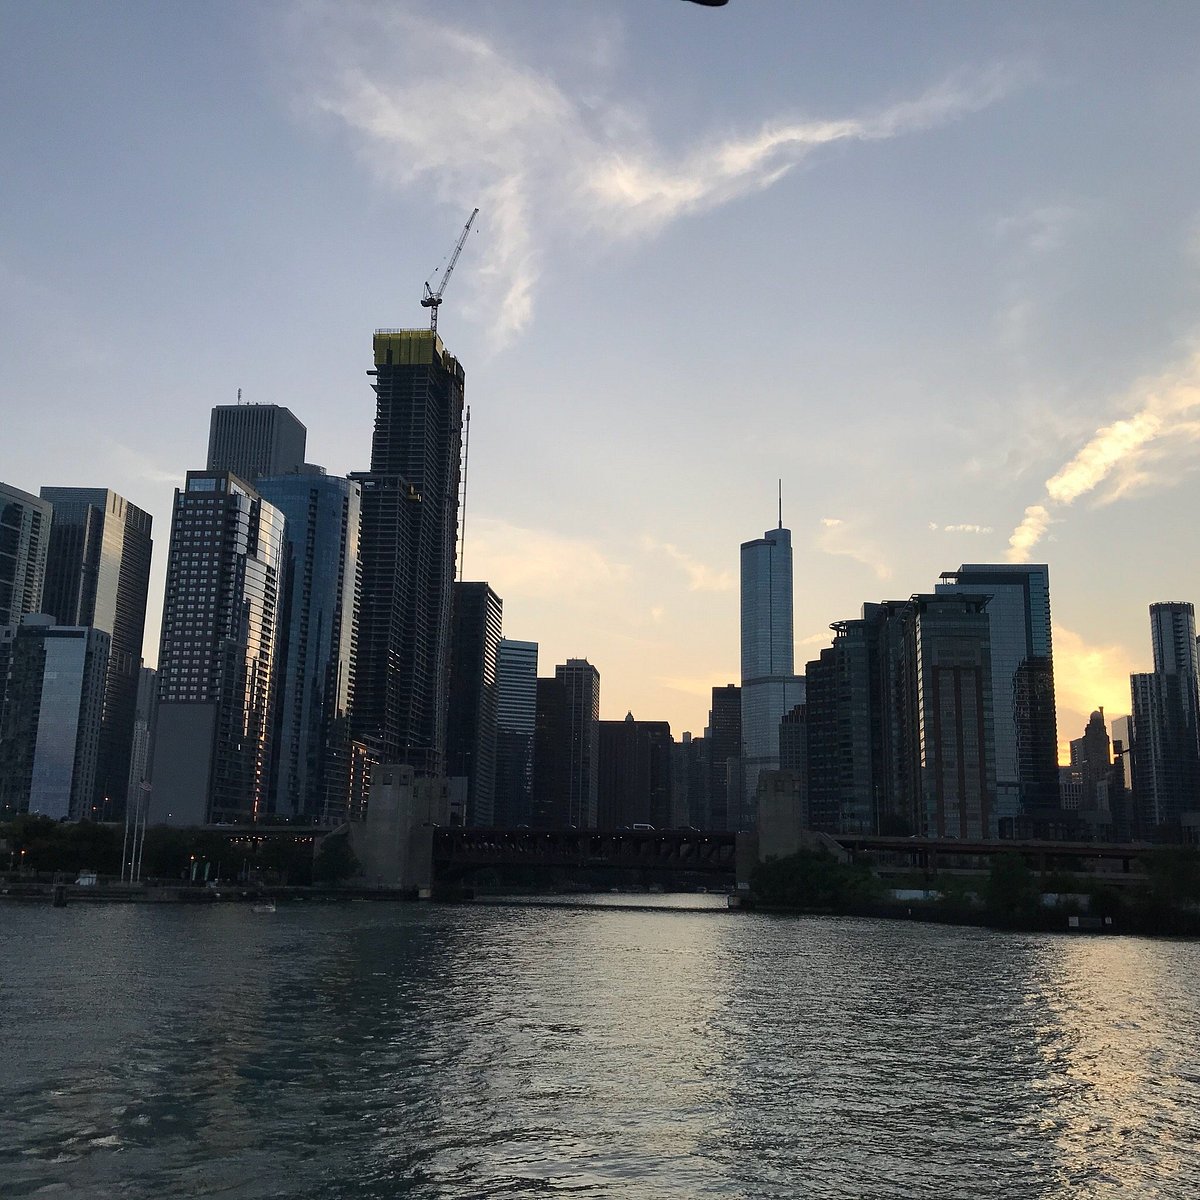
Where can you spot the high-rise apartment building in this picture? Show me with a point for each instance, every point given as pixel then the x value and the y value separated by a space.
pixel 1026 726
pixel 51 705
pixel 475 640
pixel 98 574
pixel 255 439
pixel 409 530
pixel 1166 727
pixel 581 685
pixel 218 653
pixel 551 790
pixel 310 761
pixel 24 541
pixel 770 686
pixel 516 723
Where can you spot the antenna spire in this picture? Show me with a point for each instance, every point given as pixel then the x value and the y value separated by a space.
pixel 781 504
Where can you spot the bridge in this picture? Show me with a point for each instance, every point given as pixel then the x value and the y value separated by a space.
pixel 703 856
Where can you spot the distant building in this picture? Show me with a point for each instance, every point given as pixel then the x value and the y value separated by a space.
pixel 724 758
pixel 218 663
pixel 24 543
pixel 255 439
pixel 689 781
pixel 310 759
pixel 409 534
pixel 551 790
pixel 1026 727
pixel 98 574
pixel 475 629
pixel 51 705
pixel 516 722
pixel 581 682
pixel 635 784
pixel 770 686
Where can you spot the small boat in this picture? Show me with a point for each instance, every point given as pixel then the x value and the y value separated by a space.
pixel 264 906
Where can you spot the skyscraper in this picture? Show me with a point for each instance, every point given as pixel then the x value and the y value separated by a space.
pixel 98 574
pixel 471 728
pixel 551 791
pixel 217 655
pixel 634 773
pixel 51 704
pixel 409 530
pixel 1166 726
pixel 516 722
pixel 769 685
pixel 1026 726
pixel 581 685
pixel 724 757
pixel 255 439
pixel 310 761
pixel 24 540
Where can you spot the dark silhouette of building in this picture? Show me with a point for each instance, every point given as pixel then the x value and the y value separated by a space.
pixel 689 780
pixel 218 660
pixel 98 574
pixel 318 648
pixel 582 683
pixel 551 791
pixel 724 759
pixel 409 530
pixel 255 439
pixel 475 639
pixel 635 785
pixel 1166 729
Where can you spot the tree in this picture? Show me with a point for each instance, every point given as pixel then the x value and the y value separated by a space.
pixel 335 860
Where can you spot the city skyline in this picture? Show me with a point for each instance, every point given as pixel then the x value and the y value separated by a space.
pixel 958 296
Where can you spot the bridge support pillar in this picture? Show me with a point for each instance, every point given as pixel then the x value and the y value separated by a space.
pixel 395 843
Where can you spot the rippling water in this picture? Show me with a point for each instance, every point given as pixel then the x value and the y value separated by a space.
pixel 384 1050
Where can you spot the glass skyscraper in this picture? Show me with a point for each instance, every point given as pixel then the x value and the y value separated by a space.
pixel 516 721
pixel 98 574
pixel 51 703
pixel 770 686
pixel 1026 727
pixel 24 540
pixel 217 655
pixel 310 760
pixel 255 439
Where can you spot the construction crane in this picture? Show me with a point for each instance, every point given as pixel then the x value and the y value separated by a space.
pixel 432 300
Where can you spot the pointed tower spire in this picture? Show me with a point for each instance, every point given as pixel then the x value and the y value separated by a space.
pixel 781 504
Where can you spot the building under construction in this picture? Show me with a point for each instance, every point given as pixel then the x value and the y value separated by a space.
pixel 410 500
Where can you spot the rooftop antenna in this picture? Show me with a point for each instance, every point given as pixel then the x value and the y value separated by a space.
pixel 239 395
pixel 781 504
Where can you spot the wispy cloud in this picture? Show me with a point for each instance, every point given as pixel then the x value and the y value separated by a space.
pixel 535 563
pixel 934 526
pixel 448 110
pixel 1152 447
pixel 701 577
pixel 840 537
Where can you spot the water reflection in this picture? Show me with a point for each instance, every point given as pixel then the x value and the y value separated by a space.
pixel 375 1050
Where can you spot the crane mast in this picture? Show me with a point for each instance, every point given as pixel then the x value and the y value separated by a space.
pixel 432 300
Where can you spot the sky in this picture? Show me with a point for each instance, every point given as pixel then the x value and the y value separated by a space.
pixel 934 266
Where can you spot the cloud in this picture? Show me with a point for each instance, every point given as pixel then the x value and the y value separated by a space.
pixel 701 577
pixel 466 120
pixel 535 563
pixel 838 537
pixel 1040 229
pixel 1027 535
pixel 934 526
pixel 1152 447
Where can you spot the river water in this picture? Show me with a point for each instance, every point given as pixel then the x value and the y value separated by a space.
pixel 365 1050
